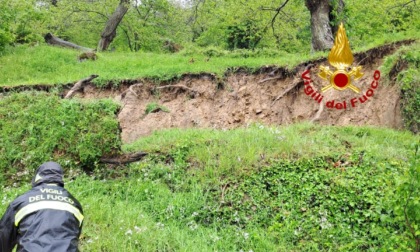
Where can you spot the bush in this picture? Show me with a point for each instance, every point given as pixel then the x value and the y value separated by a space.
pixel 37 127
pixel 310 204
pixel 407 202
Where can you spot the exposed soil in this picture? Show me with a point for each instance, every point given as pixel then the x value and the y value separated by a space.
pixel 242 98
pixel 271 96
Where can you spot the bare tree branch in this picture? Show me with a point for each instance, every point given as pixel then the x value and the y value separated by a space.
pixel 131 89
pixel 77 10
pixel 318 113
pixel 295 83
pixel 146 16
pixel 269 79
pixel 79 85
pixel 194 18
pixel 278 11
pixel 273 19
pixel 128 38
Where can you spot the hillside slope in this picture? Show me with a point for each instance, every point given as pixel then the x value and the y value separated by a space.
pixel 270 95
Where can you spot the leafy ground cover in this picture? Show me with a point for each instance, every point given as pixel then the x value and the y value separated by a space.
pixel 37 126
pixel 298 188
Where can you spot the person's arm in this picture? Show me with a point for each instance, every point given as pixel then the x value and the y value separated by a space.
pixel 8 231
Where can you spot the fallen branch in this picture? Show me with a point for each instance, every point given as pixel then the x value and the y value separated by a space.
pixel 79 85
pixel 295 83
pixel 125 158
pixel 52 40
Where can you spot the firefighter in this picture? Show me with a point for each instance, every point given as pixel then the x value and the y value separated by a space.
pixel 47 218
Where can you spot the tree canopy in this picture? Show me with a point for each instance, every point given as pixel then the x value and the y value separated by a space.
pixel 149 25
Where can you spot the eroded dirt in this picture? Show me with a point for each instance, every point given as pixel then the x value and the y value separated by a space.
pixel 242 98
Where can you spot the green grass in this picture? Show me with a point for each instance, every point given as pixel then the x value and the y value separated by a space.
pixel 39 126
pixel 258 188
pixel 277 169
pixel 24 65
pixel 51 65
pixel 407 63
pixel 247 146
pixel 302 187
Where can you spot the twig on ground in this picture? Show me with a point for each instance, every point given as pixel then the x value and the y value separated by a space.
pixel 125 158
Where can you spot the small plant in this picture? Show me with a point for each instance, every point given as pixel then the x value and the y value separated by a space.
pixel 155 107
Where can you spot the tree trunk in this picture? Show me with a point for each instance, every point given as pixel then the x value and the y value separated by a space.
pixel 52 40
pixel 110 30
pixel 322 37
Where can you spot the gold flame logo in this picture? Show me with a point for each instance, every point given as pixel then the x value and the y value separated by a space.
pixel 341 58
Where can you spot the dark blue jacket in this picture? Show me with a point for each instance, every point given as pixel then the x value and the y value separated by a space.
pixel 46 219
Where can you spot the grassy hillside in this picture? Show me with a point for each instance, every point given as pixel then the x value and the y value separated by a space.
pixel 38 126
pixel 403 69
pixel 51 65
pixel 301 187
pixel 42 64
pixel 296 188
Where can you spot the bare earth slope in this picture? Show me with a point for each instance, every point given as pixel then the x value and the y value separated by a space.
pixel 271 96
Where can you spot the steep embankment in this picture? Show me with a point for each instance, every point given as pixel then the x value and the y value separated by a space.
pixel 270 95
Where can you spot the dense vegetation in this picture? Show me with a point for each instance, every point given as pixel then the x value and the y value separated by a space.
pixel 35 127
pixel 149 25
pixel 302 187
pixel 403 69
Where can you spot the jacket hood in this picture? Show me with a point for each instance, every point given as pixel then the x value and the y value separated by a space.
pixel 49 172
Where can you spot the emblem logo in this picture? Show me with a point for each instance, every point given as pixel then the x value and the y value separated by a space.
pixel 341 58
pixel 342 77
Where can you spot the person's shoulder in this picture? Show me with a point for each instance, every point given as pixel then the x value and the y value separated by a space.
pixel 25 194
pixel 22 198
pixel 73 197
